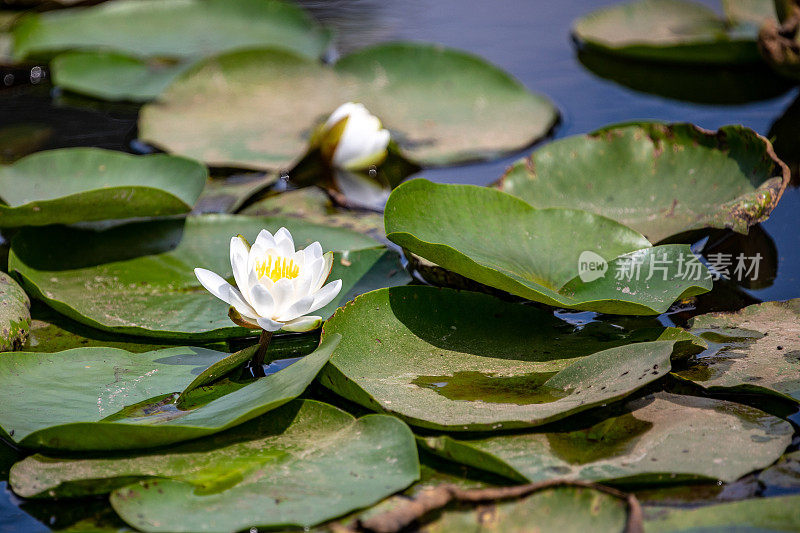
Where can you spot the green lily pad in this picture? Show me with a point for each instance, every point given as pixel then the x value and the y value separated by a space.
pixel 314 205
pixel 143 271
pixel 498 240
pixel 53 332
pixel 189 28
pixel 442 106
pixel 783 474
pixel 755 350
pixel 660 438
pixel 227 195
pixel 110 399
pixel 669 31
pixel 114 76
pixel 659 179
pixel 452 360
pixel 15 314
pixel 758 515
pixel 87 184
pixel 285 468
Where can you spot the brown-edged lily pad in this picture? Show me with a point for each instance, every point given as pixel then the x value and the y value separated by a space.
pixel 659 438
pixel 15 314
pixel 755 350
pixel 659 179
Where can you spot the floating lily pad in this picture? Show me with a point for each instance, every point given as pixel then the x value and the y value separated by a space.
pixel 452 360
pixel 755 515
pixel 110 399
pixel 285 468
pixel 227 195
pixel 53 332
pixel 500 241
pixel 138 278
pixel 660 438
pixel 783 474
pixel 441 106
pixel 314 205
pixel 114 76
pixel 86 184
pixel 668 30
pixel 755 350
pixel 659 179
pixel 15 314
pixel 188 28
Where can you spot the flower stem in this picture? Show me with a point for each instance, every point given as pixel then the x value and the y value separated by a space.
pixel 257 363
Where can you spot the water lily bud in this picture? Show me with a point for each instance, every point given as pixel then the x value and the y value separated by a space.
pixel 276 286
pixel 352 138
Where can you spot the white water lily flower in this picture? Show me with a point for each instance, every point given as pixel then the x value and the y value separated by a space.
pixel 277 286
pixel 352 138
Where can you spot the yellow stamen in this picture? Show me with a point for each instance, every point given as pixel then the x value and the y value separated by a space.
pixel 276 268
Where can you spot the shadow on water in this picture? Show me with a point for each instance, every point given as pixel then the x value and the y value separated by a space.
pixel 700 84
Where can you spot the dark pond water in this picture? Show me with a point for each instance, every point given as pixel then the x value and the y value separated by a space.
pixel 528 38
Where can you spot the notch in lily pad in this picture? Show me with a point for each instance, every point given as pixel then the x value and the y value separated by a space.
pixel 667 181
pixel 557 256
pixel 89 184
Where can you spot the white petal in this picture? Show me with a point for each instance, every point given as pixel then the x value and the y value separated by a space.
pixel 284 242
pixel 297 309
pixel 262 300
pixel 268 324
pixel 323 272
pixel 216 285
pixel 325 295
pixel 344 110
pixel 265 240
pixel 302 283
pixel 239 254
pixel 358 140
pixel 313 251
pixel 304 323
pixel 283 294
